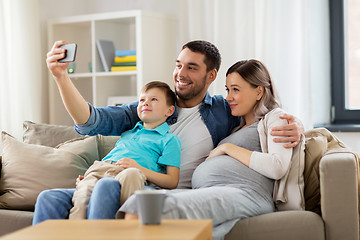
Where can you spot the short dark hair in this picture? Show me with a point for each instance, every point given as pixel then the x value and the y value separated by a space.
pixel 169 94
pixel 212 54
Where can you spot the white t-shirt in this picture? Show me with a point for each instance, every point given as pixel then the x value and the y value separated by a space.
pixel 196 142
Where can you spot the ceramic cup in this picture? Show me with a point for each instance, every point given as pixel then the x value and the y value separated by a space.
pixel 150 204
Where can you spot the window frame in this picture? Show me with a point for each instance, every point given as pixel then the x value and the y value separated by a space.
pixel 339 113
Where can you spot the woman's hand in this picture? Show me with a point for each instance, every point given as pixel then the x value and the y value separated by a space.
pixel 57 69
pixel 128 163
pixel 219 150
pixel 291 132
pixel 239 153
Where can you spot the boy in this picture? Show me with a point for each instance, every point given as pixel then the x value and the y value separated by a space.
pixel 148 152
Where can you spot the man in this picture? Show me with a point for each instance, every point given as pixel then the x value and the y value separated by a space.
pixel 200 121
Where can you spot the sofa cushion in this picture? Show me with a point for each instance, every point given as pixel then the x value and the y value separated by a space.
pixel 47 134
pixel 13 220
pixel 28 169
pixel 283 225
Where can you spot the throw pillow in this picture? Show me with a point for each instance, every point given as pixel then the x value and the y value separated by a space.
pixel 47 134
pixel 315 148
pixel 106 144
pixel 29 169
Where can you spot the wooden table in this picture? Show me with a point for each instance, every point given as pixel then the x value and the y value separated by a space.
pixel 114 229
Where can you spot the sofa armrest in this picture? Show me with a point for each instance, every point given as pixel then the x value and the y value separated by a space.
pixel 339 196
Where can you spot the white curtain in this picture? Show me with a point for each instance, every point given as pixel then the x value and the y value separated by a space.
pixel 290 36
pixel 21 90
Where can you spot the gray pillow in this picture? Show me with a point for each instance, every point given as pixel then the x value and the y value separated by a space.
pixel 29 169
pixel 47 134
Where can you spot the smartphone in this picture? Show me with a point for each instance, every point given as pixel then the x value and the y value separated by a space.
pixel 70 52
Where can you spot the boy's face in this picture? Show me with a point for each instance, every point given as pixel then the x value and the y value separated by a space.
pixel 153 108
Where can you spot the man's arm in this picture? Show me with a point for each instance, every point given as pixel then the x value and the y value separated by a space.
pixel 292 131
pixel 73 101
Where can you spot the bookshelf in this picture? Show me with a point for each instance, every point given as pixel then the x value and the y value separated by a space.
pixel 151 34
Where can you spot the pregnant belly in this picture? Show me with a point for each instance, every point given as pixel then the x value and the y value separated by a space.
pixel 225 171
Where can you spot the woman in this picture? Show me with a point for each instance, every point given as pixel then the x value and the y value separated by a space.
pixel 237 179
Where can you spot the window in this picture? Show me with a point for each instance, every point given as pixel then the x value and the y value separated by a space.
pixel 345 61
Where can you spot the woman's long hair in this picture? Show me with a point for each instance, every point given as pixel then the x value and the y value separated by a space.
pixel 255 73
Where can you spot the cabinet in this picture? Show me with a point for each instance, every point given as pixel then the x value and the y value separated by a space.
pixel 152 35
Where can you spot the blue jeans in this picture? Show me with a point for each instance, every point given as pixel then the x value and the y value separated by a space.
pixel 56 203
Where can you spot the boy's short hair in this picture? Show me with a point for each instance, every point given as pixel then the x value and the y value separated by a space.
pixel 212 54
pixel 169 94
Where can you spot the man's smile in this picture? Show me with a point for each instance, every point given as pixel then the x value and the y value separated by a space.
pixel 182 83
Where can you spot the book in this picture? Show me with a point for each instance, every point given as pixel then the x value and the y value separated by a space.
pixel 123 68
pixel 123 53
pixel 106 51
pixel 124 64
pixel 131 58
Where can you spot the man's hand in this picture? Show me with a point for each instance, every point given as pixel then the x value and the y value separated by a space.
pixel 57 69
pixel 292 131
pixel 128 163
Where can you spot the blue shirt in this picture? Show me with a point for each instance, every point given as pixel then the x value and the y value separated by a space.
pixel 114 120
pixel 153 149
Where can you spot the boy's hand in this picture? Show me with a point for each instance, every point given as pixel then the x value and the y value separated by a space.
pixel 79 178
pixel 292 131
pixel 128 163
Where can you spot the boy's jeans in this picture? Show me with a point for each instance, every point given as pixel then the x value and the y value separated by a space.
pixel 56 203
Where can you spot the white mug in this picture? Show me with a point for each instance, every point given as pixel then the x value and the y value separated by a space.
pixel 150 204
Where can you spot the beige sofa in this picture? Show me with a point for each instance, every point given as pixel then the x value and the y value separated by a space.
pixel 331 173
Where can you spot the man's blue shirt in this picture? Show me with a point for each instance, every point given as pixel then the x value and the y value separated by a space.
pixel 114 120
pixel 153 149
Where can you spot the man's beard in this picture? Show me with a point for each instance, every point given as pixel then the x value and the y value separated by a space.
pixel 188 95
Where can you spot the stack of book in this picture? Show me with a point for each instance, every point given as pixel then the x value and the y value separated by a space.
pixel 125 60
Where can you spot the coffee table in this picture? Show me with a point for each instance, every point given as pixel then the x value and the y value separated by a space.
pixel 114 229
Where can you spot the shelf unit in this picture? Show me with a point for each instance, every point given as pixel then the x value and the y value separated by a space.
pixel 151 34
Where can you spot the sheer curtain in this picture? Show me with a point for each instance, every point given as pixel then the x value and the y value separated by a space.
pixel 290 37
pixel 20 65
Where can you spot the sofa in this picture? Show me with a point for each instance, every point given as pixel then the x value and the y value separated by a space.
pixel 51 156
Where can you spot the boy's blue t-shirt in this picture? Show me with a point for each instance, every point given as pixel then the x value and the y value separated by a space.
pixel 153 149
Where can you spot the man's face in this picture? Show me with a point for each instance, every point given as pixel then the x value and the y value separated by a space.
pixel 191 77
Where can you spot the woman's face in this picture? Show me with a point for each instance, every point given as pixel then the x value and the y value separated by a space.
pixel 242 97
